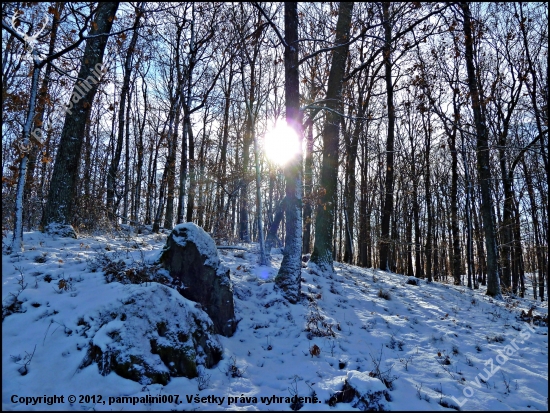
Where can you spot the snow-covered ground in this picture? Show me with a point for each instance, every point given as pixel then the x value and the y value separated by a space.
pixel 435 345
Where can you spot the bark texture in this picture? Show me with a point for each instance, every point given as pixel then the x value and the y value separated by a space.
pixel 59 207
pixel 322 251
pixel 289 277
pixel 483 164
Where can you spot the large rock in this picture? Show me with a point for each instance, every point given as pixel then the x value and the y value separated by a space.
pixel 149 334
pixel 191 257
pixel 61 230
pixel 364 392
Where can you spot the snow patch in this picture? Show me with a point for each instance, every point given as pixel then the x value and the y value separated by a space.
pixel 204 243
pixel 363 383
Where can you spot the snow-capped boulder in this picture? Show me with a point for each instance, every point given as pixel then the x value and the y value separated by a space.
pixel 61 230
pixel 149 334
pixel 371 392
pixel 363 391
pixel 191 257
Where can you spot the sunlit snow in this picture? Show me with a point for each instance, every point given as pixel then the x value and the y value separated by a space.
pixel 435 341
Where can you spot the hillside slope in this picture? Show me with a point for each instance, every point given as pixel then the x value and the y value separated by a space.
pixel 435 346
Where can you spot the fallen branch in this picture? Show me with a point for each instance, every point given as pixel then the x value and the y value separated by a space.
pixel 230 247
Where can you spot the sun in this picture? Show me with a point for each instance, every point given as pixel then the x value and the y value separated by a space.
pixel 281 143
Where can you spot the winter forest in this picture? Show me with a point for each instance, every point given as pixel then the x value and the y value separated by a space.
pixel 344 162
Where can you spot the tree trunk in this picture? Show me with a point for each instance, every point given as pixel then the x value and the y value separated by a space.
pixel 483 161
pixel 169 166
pixel 427 182
pixel 538 115
pixel 140 153
pixel 408 240
pixel 322 250
pixel 24 147
pixel 185 96
pixel 113 167
pixel 39 117
pixel 363 244
pixel 152 182
pixel 536 229
pixel 127 161
pixel 469 240
pixel 263 254
pixel 308 190
pixel 200 181
pixel 518 251
pixel 289 276
pixel 64 178
pixel 419 270
pixel 387 209
pixel 171 175
pixel 187 131
pixel 192 180
pixel 162 192
pixel 481 262
pixel 456 256
pixel 394 237
pixel 349 190
pixel 223 151
pixel 272 240
pixel 507 222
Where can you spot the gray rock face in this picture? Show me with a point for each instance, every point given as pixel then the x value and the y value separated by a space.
pixel 149 335
pixel 191 257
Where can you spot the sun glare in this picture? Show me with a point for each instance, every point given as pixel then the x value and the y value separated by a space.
pixel 281 143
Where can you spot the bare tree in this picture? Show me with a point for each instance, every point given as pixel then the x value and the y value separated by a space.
pixel 322 250
pixel 124 94
pixel 483 165
pixel 289 276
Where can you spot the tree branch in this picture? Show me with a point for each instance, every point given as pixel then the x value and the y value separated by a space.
pixel 520 154
pixel 281 38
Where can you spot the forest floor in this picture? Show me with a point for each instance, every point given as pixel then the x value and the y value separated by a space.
pixel 436 346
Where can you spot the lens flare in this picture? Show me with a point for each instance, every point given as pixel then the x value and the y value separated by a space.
pixel 281 143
